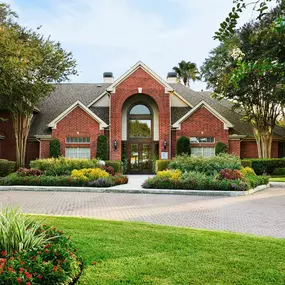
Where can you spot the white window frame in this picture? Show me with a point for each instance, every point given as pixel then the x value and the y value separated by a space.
pixel 203 150
pixel 197 142
pixel 87 142
pixel 77 152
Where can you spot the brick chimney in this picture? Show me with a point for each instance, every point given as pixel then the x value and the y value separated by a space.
pixel 108 77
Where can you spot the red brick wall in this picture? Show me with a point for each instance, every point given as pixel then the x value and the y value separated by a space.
pixel 44 148
pixel 128 88
pixel 76 124
pixel 234 147
pixel 203 123
pixel 173 143
pixel 32 152
pixel 249 149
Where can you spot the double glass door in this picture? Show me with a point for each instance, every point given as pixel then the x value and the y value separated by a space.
pixel 139 158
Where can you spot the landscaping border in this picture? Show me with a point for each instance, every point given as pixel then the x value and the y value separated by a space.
pixel 133 190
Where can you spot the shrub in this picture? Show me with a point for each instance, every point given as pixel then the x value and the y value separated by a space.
pixel 29 172
pixel 230 174
pixel 102 182
pixel 54 148
pixel 261 166
pixel 116 164
pixel 52 262
pixel 246 163
pixel 210 165
pixel 246 171
pixel 170 174
pixel 221 148
pixel 120 179
pixel 183 146
pixel 89 174
pixel 161 165
pixel 279 171
pixel 110 170
pixel 6 167
pixel 254 180
pixel 102 147
pixel 62 165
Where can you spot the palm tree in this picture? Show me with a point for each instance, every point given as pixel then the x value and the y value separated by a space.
pixel 187 71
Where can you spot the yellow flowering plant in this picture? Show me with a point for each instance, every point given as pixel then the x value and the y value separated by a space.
pixel 170 174
pixel 89 174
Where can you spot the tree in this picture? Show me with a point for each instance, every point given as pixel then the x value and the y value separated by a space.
pixel 221 148
pixel 102 147
pixel 54 148
pixel 251 75
pixel 187 71
pixel 228 26
pixel 183 146
pixel 29 65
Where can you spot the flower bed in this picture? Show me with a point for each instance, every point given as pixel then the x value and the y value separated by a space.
pixel 31 253
pixel 227 180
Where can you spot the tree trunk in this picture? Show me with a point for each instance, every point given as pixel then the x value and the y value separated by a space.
pixel 264 143
pixel 21 125
pixel 258 142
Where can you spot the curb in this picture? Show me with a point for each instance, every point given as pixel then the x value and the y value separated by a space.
pixel 136 191
pixel 277 184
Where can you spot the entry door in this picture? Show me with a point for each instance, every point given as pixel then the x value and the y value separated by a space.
pixel 139 158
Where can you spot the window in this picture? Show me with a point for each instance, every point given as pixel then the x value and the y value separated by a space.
pixel 140 128
pixel 202 139
pixel 140 110
pixel 77 140
pixel 203 151
pixel 77 152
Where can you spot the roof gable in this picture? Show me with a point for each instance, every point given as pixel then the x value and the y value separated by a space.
pixel 112 87
pixel 227 124
pixel 53 123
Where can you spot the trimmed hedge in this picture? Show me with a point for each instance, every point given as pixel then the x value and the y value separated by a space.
pixel 54 148
pixel 183 146
pixel 116 164
pixel 264 166
pixel 161 165
pixel 221 148
pixel 6 167
pixel 102 147
pixel 279 171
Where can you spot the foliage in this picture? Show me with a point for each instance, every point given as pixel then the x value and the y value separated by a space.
pixel 230 174
pixel 183 146
pixel 221 148
pixel 62 165
pixel 187 71
pixel 18 232
pixel 89 174
pixel 161 165
pixel 120 179
pixel 254 180
pixel 208 165
pixel 116 164
pixel 261 166
pixel 279 171
pixel 170 174
pixel 29 172
pixel 54 148
pixel 102 147
pixel 49 263
pixel 248 71
pixel 6 167
pixel 110 170
pixel 102 182
pixel 246 163
pixel 246 171
pixel 29 63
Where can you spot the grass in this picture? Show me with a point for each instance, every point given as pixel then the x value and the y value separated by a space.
pixel 137 253
pixel 275 178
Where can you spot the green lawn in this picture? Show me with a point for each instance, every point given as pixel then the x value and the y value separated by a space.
pixel 277 179
pixel 137 253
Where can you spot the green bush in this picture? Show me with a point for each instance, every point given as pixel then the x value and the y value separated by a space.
pixel 161 165
pixel 6 167
pixel 279 171
pixel 183 146
pixel 246 163
pixel 264 166
pixel 116 164
pixel 62 165
pixel 34 261
pixel 54 148
pixel 254 180
pixel 209 165
pixel 221 148
pixel 102 147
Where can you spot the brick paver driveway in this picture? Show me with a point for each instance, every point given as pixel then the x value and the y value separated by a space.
pixel 262 213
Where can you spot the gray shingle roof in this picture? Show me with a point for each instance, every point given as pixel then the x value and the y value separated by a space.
pixel 63 97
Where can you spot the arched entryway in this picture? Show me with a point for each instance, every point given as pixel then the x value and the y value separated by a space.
pixel 140 132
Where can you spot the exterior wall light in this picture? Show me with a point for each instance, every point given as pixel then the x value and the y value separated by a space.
pixel 164 144
pixel 115 145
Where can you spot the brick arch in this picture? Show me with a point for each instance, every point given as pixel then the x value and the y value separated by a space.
pixel 127 88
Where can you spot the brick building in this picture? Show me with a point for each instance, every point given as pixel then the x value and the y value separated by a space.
pixel 142 116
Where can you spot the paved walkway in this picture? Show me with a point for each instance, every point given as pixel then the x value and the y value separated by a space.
pixel 262 213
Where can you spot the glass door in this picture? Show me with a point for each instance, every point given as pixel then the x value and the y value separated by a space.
pixel 139 158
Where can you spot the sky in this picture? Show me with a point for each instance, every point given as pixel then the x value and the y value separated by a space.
pixel 112 35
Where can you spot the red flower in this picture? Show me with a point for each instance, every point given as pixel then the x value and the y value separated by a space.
pixel 12 258
pixel 22 269
pixel 3 260
pixel 40 277
pixel 28 283
pixel 3 253
pixel 46 250
pixel 19 280
pixel 54 268
pixel 94 263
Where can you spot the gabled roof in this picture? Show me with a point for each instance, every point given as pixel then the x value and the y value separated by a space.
pixel 139 64
pixel 227 124
pixel 54 122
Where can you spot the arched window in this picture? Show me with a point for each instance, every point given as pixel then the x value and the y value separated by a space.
pixel 140 122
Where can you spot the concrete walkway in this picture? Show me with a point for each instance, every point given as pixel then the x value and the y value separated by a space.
pixel 262 213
